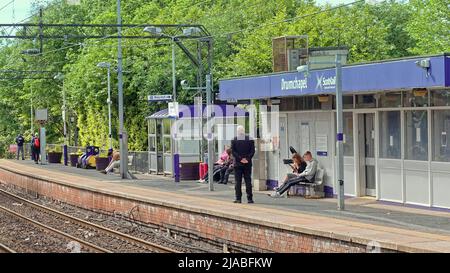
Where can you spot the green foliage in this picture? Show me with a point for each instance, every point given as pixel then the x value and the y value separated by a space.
pixel 242 30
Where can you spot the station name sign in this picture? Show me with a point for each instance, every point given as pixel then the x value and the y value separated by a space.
pixel 323 82
pixel 160 98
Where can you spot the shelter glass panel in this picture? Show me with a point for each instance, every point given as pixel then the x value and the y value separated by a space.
pixel 152 126
pixel 390 135
pixel 440 97
pixel 366 101
pixel 416 134
pixel 441 132
pixel 348 134
pixel 390 99
pixel 416 98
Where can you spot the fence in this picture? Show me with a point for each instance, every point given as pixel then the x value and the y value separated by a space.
pixel 137 161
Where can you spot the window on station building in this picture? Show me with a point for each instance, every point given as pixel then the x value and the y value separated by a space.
pixel 166 126
pixel 390 135
pixel 152 143
pixel 440 97
pixel 416 135
pixel 441 133
pixel 416 98
pixel 152 126
pixel 166 145
pixel 348 133
pixel 347 102
pixel 366 101
pixel 300 103
pixel 189 147
pixel 390 99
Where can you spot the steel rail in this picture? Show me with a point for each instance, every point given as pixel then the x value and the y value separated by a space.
pixel 6 249
pixel 58 232
pixel 117 234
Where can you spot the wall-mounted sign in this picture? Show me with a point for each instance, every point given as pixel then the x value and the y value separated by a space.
pixel 41 115
pixel 159 97
pixel 322 145
pixel 173 110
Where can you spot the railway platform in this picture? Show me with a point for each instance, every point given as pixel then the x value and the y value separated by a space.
pixel 270 225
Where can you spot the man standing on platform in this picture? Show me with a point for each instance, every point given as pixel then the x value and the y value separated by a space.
pixel 243 149
pixel 20 140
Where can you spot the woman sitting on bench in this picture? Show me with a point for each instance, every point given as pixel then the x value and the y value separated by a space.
pixel 295 178
pixel 298 166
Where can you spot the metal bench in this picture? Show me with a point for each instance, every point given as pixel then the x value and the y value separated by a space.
pixel 314 189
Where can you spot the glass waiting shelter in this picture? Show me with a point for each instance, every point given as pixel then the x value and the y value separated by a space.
pixel 184 135
pixel 396 125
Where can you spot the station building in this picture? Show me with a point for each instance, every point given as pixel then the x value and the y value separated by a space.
pixel 396 125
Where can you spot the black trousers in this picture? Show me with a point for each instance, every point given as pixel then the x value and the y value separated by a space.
pixel 246 172
pixel 291 182
pixel 225 173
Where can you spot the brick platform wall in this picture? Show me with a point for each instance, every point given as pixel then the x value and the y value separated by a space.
pixel 232 232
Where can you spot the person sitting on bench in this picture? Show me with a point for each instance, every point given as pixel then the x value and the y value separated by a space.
pixel 219 165
pixel 115 162
pixel 226 170
pixel 307 176
pixel 298 166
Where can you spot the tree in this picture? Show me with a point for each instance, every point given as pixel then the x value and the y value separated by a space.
pixel 429 26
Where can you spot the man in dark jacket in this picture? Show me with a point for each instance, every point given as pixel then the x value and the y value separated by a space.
pixel 243 149
pixel 20 140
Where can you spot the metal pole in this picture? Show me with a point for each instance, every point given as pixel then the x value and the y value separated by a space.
pixel 123 155
pixel 340 135
pixel 209 132
pixel 65 126
pixel 31 111
pixel 174 83
pixel 109 108
pixel 175 155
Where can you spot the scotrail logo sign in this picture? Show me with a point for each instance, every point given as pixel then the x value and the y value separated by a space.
pixel 325 83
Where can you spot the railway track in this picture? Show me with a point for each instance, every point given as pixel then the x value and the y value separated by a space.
pixel 5 249
pixel 125 238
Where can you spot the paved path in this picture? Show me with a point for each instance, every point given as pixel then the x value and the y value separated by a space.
pixel 405 227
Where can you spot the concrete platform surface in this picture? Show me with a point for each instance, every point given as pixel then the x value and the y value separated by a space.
pixel 365 220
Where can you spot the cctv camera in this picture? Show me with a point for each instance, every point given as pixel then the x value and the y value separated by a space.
pixel 184 83
pixel 424 63
pixel 302 68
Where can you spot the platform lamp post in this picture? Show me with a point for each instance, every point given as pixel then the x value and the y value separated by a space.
pixel 109 102
pixel 339 120
pixel 157 31
pixel 60 77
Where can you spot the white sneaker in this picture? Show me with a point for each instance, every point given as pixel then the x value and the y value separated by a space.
pixel 275 195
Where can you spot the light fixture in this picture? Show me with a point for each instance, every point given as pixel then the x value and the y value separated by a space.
pixel 191 31
pixel 153 30
pixel 425 64
pixel 104 65
pixel 184 84
pixel 59 76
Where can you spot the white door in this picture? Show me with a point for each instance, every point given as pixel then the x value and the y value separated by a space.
pixel 367 153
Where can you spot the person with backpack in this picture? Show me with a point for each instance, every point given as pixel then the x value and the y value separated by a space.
pixel 36 148
pixel 20 140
